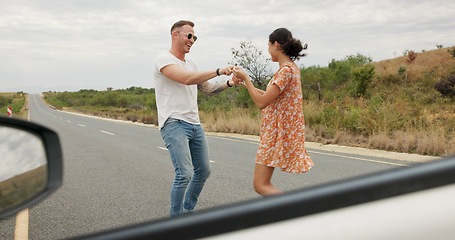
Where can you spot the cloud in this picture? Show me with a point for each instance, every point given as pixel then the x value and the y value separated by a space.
pixel 21 152
pixel 79 44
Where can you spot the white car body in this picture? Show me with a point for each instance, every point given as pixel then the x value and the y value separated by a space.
pixel 422 215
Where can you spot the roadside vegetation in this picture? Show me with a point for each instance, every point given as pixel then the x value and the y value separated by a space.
pixel 405 104
pixel 133 104
pixel 17 102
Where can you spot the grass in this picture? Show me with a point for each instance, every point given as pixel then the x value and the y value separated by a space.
pixel 237 120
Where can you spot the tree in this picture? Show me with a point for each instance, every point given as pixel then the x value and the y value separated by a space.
pixel 314 79
pixel 342 69
pixel 331 81
pixel 410 58
pixel 250 58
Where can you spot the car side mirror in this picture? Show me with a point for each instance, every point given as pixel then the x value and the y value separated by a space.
pixel 31 165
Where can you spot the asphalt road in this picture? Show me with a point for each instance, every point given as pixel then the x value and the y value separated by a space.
pixel 117 174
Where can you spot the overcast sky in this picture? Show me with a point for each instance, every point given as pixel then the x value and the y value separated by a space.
pixel 17 152
pixel 68 45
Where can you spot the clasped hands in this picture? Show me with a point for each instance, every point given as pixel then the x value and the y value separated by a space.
pixel 238 74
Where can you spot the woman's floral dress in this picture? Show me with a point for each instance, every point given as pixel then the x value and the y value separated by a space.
pixel 282 138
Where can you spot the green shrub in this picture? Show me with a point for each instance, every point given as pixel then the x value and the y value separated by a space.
pixel 362 78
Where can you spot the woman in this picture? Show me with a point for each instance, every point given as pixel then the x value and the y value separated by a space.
pixel 282 126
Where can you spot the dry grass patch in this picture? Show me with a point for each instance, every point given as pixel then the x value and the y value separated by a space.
pixel 438 61
pixel 234 121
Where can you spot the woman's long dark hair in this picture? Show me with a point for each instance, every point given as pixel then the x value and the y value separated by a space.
pixel 290 45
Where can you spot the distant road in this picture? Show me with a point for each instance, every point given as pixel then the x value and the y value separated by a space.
pixel 117 174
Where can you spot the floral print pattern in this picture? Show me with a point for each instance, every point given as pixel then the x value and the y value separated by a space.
pixel 282 138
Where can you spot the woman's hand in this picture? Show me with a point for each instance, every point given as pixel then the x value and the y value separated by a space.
pixel 240 74
pixel 235 81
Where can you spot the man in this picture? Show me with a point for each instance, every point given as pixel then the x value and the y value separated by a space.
pixel 177 81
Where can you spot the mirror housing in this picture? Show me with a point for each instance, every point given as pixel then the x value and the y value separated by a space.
pixel 31 164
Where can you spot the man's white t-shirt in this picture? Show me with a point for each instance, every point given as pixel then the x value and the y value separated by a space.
pixel 175 99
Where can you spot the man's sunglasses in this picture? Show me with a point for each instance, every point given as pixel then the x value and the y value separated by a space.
pixel 190 36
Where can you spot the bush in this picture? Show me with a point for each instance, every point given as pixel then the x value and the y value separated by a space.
pixel 5 101
pixel 446 86
pixel 362 77
pixel 341 77
pixel 15 100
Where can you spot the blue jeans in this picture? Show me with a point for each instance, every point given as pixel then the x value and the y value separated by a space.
pixel 187 145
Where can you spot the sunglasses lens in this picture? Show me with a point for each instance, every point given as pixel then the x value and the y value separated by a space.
pixel 191 36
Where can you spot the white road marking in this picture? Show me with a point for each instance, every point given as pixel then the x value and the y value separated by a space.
pixel 361 159
pixel 21 229
pixel 82 125
pixel 107 132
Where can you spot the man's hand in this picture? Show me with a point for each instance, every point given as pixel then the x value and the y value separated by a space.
pixel 227 70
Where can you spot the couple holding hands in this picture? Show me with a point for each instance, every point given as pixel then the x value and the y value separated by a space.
pixel 282 137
